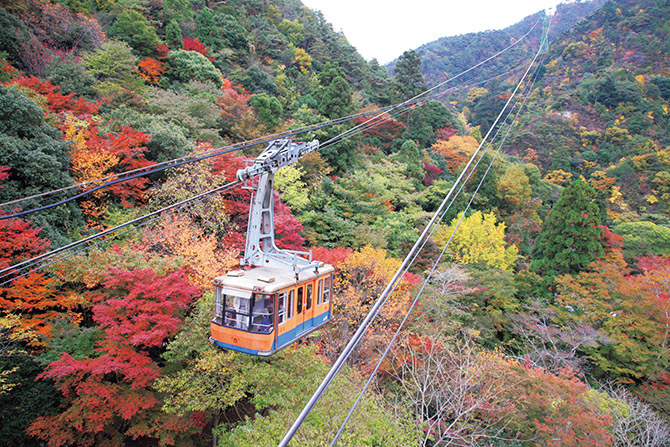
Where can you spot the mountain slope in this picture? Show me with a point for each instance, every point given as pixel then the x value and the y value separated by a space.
pixel 448 56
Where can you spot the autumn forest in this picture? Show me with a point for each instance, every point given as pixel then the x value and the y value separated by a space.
pixel 536 314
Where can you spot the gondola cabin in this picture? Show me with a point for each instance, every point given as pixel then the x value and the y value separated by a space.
pixel 282 295
pixel 262 310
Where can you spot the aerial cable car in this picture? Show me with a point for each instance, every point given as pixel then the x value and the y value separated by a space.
pixel 278 296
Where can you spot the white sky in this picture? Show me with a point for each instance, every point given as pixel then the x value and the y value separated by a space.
pixel 384 29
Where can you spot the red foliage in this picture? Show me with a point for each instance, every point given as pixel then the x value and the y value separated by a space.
pixel 333 256
pixel 227 163
pixel 19 241
pixel 385 129
pixel 56 101
pixel 432 172
pixel 101 155
pixel 445 133
pixel 136 311
pixel 162 51
pixel 9 70
pixel 287 227
pixel 237 117
pixel 195 45
pixel 653 263
pixel 562 416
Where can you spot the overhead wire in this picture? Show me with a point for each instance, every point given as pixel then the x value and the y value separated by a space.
pixel 142 172
pixel 158 167
pixel 392 110
pixel 197 157
pixel 374 310
pixel 441 255
pixel 6 271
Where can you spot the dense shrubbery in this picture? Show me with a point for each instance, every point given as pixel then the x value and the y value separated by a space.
pixel 535 304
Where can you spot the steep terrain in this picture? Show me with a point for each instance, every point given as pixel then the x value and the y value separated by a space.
pixel 546 322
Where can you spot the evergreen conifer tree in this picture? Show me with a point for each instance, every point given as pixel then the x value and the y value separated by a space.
pixel 570 237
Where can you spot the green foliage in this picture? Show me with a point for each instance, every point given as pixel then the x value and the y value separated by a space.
pixel 570 237
pixel 184 66
pixel 134 29
pixel 412 157
pixel 336 99
pixel 220 31
pixel 168 139
pixel 113 65
pixel 282 385
pixel 190 110
pixel 258 81
pixel 72 77
pixel 407 75
pixel 293 30
pixel 28 398
pixel 644 239
pixel 78 341
pixel 39 161
pixel 177 10
pixel 293 190
pixel 663 85
pixel 14 37
pixel 173 35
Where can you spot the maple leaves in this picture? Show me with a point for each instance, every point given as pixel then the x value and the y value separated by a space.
pixel 361 278
pixel 137 311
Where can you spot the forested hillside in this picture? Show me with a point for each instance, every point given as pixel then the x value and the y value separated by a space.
pixel 546 323
pixel 451 55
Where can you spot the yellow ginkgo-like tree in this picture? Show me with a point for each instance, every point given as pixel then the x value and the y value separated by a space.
pixel 479 239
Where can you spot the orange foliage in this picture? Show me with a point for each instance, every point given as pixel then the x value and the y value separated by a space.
pixel 456 150
pixel 31 303
pixel 150 70
pixel 238 118
pixel 95 156
pixel 363 276
pixel 181 237
pixel 34 303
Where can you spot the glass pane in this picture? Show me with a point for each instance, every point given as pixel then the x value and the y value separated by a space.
pixel 281 308
pixel 319 292
pixel 262 316
pixel 309 296
pixel 291 302
pixel 218 307
pixel 326 289
pixel 236 313
pixel 301 291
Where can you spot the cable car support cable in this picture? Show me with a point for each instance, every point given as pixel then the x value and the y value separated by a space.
pixel 358 335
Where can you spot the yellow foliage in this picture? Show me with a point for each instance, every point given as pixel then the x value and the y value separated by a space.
pixel 599 180
pixel 303 59
pixel 479 239
pixel 476 93
pixel 181 237
pixel 514 186
pixel 362 277
pixel 558 177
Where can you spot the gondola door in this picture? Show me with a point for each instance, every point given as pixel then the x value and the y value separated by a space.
pixel 309 306
pixel 300 310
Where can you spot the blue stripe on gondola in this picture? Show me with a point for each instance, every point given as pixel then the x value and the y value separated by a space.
pixel 283 340
pixel 313 323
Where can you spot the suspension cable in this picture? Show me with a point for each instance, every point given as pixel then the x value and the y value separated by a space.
pixel 353 342
pixel 439 258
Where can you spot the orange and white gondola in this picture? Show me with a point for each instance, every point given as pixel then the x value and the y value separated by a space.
pixel 284 295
